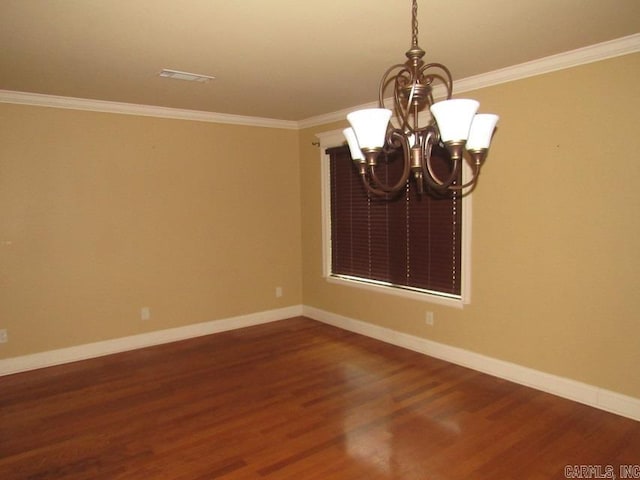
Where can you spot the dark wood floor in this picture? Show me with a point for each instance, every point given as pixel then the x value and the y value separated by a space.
pixel 294 399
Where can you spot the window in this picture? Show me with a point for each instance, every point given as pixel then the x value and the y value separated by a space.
pixel 411 245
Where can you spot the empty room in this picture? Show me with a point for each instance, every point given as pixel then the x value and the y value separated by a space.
pixel 319 240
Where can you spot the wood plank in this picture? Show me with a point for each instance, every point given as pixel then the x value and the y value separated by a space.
pixel 294 399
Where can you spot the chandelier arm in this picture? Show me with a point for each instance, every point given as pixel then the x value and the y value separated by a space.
pixel 373 190
pixel 406 90
pixel 471 183
pixel 386 79
pixel 395 136
pixel 401 109
pixel 434 181
pixel 386 188
pixel 429 174
pixel 446 79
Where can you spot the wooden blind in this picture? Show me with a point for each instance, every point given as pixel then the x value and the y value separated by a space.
pixel 410 241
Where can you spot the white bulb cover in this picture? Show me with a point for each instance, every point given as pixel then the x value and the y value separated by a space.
pixel 481 131
pixel 454 118
pixel 370 126
pixel 352 141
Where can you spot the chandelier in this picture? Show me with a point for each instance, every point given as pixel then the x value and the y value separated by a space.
pixel 453 123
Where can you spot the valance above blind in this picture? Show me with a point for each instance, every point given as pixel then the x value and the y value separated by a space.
pixel 412 241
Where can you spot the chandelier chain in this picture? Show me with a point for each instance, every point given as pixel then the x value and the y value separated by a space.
pixel 414 23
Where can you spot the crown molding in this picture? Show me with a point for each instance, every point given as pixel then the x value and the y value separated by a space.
pixel 573 58
pixel 41 100
pixel 561 61
pixel 594 53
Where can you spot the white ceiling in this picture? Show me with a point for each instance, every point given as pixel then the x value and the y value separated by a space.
pixel 280 59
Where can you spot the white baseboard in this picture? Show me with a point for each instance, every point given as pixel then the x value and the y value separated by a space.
pixel 593 396
pixel 563 387
pixel 108 347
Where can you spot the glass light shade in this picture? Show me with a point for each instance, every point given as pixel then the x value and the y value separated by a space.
pixel 454 118
pixel 370 126
pixel 481 131
pixel 354 148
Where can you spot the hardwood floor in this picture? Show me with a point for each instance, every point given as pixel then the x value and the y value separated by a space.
pixel 293 399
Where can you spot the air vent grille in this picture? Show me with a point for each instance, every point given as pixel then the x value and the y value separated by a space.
pixel 189 77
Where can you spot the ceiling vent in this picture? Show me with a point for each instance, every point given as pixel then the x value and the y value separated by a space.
pixel 190 77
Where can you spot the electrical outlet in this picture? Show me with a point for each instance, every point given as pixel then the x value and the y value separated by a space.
pixel 4 336
pixel 278 292
pixel 145 313
pixel 428 319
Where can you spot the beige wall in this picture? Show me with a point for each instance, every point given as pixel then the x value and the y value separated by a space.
pixel 556 233
pixel 102 214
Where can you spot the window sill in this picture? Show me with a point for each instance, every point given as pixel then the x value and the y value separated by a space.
pixel 414 294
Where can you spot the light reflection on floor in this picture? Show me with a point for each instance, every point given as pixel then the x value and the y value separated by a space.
pixel 382 442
